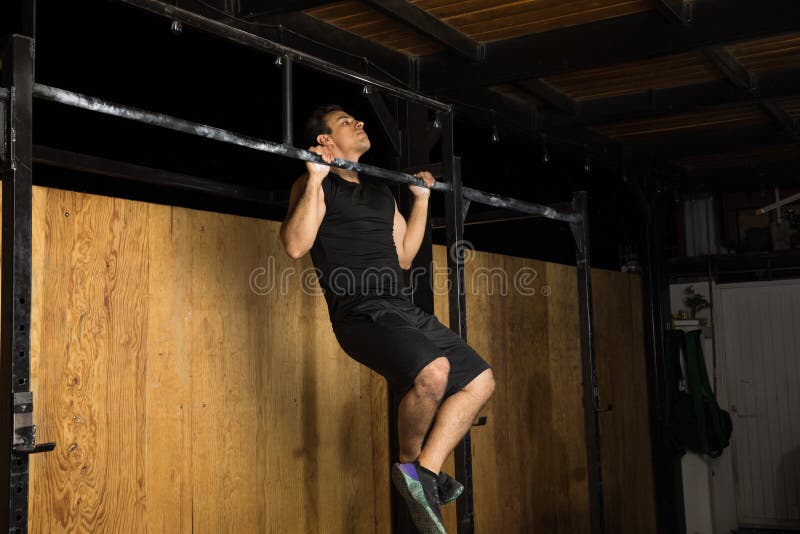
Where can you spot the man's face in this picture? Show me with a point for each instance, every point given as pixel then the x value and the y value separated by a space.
pixel 347 133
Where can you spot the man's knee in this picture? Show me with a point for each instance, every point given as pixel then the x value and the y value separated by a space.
pixel 432 380
pixel 482 386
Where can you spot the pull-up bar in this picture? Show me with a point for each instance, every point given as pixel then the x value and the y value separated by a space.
pixel 69 98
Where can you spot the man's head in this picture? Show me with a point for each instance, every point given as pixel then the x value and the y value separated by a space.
pixel 332 127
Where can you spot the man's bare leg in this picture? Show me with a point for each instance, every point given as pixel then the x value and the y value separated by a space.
pixel 418 407
pixel 454 419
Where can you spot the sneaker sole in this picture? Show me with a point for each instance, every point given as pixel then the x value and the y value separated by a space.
pixel 411 490
pixel 454 496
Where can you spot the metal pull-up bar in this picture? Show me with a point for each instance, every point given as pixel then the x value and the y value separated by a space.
pixel 69 98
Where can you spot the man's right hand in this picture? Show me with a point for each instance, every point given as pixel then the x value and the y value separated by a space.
pixel 318 171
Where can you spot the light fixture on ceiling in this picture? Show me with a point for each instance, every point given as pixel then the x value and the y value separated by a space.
pixel 495 137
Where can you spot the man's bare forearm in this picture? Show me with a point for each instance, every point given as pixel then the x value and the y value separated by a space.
pixel 415 228
pixel 299 230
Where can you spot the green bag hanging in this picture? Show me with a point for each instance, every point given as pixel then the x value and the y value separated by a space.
pixel 697 422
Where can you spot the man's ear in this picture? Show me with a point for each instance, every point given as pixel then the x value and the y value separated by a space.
pixel 324 140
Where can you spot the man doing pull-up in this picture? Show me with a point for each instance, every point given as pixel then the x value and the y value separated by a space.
pixel 359 243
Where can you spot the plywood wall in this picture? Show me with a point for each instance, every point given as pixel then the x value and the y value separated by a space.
pixel 188 373
pixel 530 459
pixel 181 399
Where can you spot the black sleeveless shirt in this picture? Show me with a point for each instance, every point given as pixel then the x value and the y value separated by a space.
pixel 354 251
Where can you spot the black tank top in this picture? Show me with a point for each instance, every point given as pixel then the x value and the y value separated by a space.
pixel 354 252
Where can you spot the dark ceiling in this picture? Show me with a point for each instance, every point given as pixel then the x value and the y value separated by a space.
pixel 659 98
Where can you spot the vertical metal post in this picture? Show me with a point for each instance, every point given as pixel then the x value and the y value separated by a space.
pixel 454 214
pixel 412 119
pixel 15 297
pixel 655 303
pixel 591 394
pixel 287 100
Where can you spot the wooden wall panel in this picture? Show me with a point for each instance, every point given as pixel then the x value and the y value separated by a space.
pixel 624 431
pixel 529 460
pixel 563 325
pixel 169 408
pixel 183 398
pixel 90 368
pixel 180 399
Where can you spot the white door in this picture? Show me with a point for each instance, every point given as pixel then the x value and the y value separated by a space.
pixel 757 331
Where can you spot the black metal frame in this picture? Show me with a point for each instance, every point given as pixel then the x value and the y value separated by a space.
pixel 16 399
pixel 17 196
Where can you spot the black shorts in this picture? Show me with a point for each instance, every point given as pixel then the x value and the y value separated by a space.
pixel 393 337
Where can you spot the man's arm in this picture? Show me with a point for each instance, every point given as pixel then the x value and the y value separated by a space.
pixel 408 236
pixel 306 208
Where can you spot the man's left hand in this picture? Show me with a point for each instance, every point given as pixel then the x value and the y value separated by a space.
pixel 422 192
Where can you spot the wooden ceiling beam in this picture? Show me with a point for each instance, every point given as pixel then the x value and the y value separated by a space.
pixel 617 40
pixel 425 23
pixel 673 100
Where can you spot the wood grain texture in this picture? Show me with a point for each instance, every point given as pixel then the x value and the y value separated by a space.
pixel 490 20
pixel 181 399
pixel 360 19
pixel 90 368
pixel 480 20
pixel 188 372
pixel 735 116
pixel 625 431
pixel 636 76
pixel 529 460
pixel 777 52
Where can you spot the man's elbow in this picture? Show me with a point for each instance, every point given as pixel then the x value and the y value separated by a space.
pixel 293 251
pixel 291 248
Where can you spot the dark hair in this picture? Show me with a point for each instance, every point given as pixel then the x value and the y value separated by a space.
pixel 316 125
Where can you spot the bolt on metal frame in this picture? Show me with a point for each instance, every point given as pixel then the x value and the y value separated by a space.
pixel 16 148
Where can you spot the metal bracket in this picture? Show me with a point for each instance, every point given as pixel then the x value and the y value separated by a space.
pixel 24 429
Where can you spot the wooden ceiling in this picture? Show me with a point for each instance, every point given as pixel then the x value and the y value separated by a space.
pixel 738 116
pixel 620 73
pixel 636 76
pixel 480 20
pixel 364 21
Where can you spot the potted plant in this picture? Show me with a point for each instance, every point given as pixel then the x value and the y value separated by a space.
pixel 695 301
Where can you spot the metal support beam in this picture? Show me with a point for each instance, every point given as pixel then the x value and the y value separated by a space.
pixel 242 37
pixel 254 8
pixel 385 118
pixel 676 10
pixel 655 309
pixel 553 96
pixel 785 121
pixel 415 153
pixel 16 402
pixel 591 394
pixel 287 100
pixel 432 27
pixel 731 69
pixel 454 212
pixel 302 31
pixel 147 175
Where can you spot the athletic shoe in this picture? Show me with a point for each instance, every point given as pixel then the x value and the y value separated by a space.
pixel 418 489
pixel 450 489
